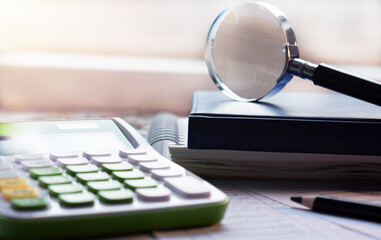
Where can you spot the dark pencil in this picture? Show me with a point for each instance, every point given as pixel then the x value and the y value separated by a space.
pixel 341 207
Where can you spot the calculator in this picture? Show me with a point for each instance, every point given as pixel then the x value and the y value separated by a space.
pixel 98 177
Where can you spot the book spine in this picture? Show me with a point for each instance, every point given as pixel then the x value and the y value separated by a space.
pixel 284 135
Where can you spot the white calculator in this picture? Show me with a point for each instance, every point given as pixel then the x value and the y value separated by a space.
pixel 76 178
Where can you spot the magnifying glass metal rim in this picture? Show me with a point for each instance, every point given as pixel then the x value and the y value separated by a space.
pixel 290 49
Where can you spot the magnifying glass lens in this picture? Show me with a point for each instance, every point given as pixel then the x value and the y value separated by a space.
pixel 251 52
pixel 248 50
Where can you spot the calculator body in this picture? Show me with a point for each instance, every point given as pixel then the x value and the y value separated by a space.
pixel 163 196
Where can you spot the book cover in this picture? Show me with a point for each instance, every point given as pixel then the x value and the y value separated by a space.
pixel 296 122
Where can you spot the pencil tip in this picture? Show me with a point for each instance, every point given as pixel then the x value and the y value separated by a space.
pixel 296 199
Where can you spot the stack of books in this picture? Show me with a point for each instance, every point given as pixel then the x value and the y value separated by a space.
pixel 291 135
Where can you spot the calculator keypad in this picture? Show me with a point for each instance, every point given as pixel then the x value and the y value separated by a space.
pixel 74 180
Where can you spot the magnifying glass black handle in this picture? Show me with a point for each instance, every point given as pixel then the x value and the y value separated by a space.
pixel 348 84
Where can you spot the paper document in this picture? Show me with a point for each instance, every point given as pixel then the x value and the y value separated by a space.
pixel 262 210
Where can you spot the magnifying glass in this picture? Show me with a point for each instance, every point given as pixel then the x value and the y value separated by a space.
pixel 251 53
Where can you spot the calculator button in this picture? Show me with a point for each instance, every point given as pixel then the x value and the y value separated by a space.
pixel 55 156
pixel 90 177
pixel 5 166
pixel 116 196
pixel 124 175
pixel 27 157
pixel 53 180
pixel 148 166
pixel 19 193
pixel 164 173
pixel 188 187
pixel 74 170
pixel 136 159
pixel 90 154
pixel 129 152
pixel 154 194
pixel 9 174
pixel 29 203
pixel 95 187
pixel 105 160
pixel 64 162
pixel 45 163
pixel 56 190
pixel 140 183
pixel 2 159
pixel 39 172
pixel 14 183
pixel 109 168
pixel 76 199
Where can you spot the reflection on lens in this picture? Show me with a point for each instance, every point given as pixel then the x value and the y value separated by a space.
pixel 248 50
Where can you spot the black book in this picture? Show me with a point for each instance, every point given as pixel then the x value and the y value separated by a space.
pixel 287 122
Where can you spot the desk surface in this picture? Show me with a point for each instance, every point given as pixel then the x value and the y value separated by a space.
pixel 258 209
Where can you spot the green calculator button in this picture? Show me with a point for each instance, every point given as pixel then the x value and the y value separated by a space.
pixel 109 168
pixel 125 175
pixel 53 180
pixel 76 199
pixel 29 203
pixel 95 187
pixel 74 170
pixel 56 190
pixel 140 183
pixel 91 177
pixel 39 172
pixel 116 196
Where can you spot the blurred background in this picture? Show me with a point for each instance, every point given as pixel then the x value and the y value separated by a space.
pixel 147 56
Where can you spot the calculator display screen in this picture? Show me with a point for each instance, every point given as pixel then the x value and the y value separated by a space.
pixel 64 136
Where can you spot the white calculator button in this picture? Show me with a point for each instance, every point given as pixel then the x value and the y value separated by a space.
pixel 63 162
pixel 2 159
pixel 128 152
pixel 5 166
pixel 148 166
pixel 9 174
pixel 136 159
pixel 55 156
pixel 28 157
pixel 188 187
pixel 154 194
pixel 90 154
pixel 45 163
pixel 164 173
pixel 105 160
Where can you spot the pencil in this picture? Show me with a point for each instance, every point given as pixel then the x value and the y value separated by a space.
pixel 337 206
